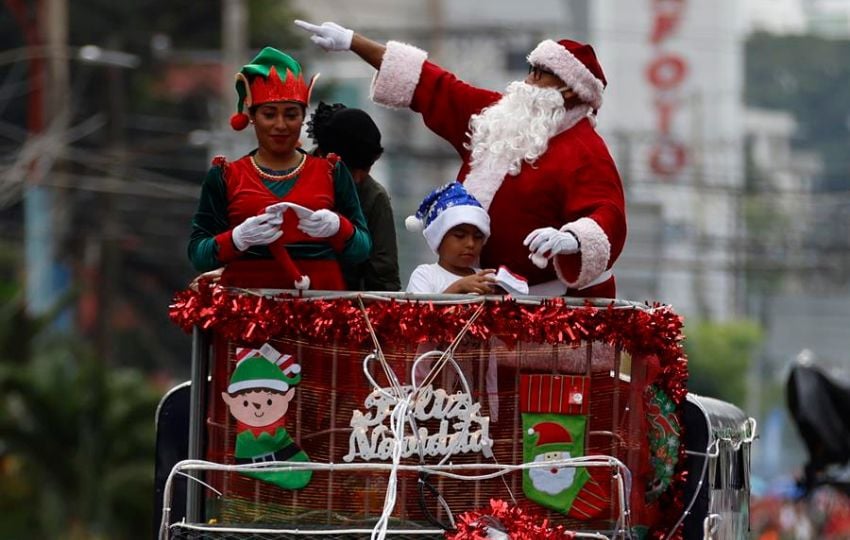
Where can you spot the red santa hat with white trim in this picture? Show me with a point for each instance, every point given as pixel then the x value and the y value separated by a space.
pixel 574 63
pixel 550 433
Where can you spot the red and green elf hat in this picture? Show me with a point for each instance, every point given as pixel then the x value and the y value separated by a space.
pixel 260 82
pixel 259 373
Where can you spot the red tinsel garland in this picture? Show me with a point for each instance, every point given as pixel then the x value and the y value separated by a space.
pixel 512 521
pixel 254 320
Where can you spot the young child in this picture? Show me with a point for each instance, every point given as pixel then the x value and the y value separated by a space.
pixel 455 227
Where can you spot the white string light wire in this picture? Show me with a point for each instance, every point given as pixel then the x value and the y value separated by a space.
pixel 403 405
pixel 447 471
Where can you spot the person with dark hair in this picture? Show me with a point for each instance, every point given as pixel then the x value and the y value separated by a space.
pixel 277 217
pixel 355 138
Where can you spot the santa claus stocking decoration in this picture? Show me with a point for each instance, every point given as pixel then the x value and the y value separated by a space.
pixel 554 420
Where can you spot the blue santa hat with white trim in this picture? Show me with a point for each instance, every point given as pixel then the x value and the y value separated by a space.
pixel 446 207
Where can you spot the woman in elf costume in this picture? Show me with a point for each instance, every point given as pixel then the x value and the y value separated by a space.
pixel 277 217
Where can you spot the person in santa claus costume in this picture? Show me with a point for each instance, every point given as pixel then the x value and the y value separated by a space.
pixel 531 155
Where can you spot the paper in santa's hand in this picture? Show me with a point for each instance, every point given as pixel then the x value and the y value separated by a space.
pixel 513 283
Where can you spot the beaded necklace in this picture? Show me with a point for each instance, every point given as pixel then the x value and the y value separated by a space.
pixel 278 177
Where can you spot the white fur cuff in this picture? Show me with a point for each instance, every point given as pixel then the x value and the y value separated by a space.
pixel 394 84
pixel 595 251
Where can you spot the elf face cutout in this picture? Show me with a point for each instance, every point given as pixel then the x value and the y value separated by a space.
pixel 257 408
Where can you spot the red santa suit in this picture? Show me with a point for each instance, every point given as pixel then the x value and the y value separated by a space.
pixel 574 186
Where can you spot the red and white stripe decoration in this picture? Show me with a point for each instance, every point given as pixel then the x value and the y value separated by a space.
pixel 243 353
pixel 286 362
pixel 562 394
pixel 287 365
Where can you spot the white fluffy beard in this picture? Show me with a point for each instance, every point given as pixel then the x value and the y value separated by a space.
pixel 515 129
pixel 552 480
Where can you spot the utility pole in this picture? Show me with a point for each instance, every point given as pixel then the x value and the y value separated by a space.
pixel 58 78
pixel 106 251
pixel 701 245
pixel 234 44
pixel 48 100
pixel 234 47
pixel 435 16
pixel 58 111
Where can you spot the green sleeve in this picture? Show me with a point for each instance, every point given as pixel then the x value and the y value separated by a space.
pixel 210 220
pixel 381 270
pixel 357 247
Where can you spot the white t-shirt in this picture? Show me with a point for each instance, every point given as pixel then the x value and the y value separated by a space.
pixel 431 278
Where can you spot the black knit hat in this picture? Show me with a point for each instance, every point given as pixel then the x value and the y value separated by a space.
pixel 349 133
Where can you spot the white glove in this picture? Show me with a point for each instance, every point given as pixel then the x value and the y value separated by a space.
pixel 329 35
pixel 258 230
pixel 277 209
pixel 322 224
pixel 547 242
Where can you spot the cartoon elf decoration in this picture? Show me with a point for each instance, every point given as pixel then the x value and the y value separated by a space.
pixel 261 387
pixel 554 420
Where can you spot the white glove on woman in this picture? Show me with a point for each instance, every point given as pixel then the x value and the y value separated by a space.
pixel 321 224
pixel 329 36
pixel 259 230
pixel 277 209
pixel 547 242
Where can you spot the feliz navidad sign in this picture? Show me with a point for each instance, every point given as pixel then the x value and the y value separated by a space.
pixel 462 429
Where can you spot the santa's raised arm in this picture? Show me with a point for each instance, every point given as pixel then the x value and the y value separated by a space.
pixel 531 155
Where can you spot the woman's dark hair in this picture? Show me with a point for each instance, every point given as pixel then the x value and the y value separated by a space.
pixel 320 118
pixel 349 133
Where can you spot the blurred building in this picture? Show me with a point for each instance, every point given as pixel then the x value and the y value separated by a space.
pixel 780 201
pixel 673 118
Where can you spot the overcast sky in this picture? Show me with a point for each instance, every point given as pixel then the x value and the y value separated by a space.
pixel 790 16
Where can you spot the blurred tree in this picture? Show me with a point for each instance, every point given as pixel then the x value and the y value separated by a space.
pixel 131 181
pixel 719 356
pixel 765 259
pixel 808 76
pixel 76 438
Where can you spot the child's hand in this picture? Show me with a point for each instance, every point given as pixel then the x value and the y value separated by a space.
pixel 481 282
